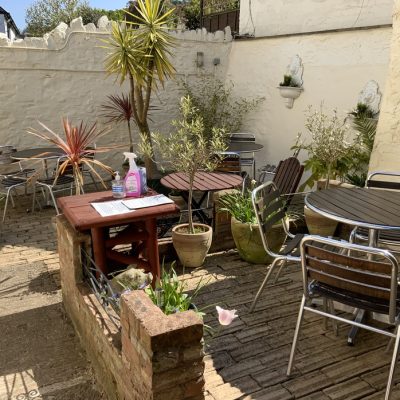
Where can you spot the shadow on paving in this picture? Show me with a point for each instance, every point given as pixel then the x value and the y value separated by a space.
pixel 41 357
pixel 248 359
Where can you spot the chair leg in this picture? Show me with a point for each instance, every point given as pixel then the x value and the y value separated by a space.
pixel 54 200
pixel 279 271
pixel 94 181
pixel 33 199
pixel 325 305
pixel 296 336
pixel 393 364
pixel 334 321
pixel 271 268
pixel 6 204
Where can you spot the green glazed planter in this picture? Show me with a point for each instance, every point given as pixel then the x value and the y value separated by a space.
pixel 248 241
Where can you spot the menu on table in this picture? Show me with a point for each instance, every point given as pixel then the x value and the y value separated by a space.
pixel 116 207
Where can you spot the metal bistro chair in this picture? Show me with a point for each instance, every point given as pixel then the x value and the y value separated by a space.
pixel 53 184
pixel 247 160
pixel 385 237
pixel 270 208
pixel 11 181
pixel 331 271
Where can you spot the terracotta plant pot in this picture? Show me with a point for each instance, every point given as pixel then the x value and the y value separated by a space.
pixel 318 224
pixel 249 244
pixel 192 248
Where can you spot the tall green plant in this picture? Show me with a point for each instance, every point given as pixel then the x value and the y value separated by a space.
pixel 360 153
pixel 140 51
pixel 215 102
pixel 188 149
pixel 326 148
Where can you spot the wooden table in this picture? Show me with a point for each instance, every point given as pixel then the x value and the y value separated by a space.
pixel 140 229
pixel 203 182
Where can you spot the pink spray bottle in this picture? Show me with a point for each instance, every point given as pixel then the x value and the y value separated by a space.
pixel 132 178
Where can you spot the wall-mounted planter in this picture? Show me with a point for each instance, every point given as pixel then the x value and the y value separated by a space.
pixel 290 93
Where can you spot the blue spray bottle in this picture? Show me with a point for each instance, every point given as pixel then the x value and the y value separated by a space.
pixel 132 178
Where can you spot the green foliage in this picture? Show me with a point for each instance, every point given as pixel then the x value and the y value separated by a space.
pixel 169 293
pixel 363 110
pixel 360 152
pixel 239 205
pixel 140 52
pixel 44 15
pixel 191 14
pixel 217 106
pixel 189 148
pixel 288 81
pixel 327 147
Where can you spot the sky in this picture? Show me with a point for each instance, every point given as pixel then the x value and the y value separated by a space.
pixel 17 8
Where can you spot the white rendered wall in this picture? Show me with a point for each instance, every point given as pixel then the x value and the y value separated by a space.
pixel 274 17
pixel 63 74
pixel 386 152
pixel 336 68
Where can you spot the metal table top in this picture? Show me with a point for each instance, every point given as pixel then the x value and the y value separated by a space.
pixel 38 153
pixel 244 147
pixel 369 208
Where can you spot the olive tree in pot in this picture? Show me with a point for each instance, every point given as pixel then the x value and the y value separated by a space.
pixel 327 149
pixel 245 230
pixel 188 149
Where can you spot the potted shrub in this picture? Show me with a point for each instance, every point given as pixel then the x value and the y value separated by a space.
pixel 326 150
pixel 187 150
pixel 289 89
pixel 245 230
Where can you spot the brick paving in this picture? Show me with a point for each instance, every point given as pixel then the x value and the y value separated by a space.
pixel 41 357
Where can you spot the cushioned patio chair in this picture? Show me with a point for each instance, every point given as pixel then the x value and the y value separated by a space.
pixel 368 281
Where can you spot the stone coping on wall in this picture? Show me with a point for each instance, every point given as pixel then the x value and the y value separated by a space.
pixel 58 37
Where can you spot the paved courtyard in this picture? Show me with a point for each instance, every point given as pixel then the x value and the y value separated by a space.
pixel 41 357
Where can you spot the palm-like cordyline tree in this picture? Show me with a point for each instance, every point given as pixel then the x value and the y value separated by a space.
pixel 140 52
pixel 119 109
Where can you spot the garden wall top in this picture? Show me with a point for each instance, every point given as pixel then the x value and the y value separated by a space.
pixel 58 37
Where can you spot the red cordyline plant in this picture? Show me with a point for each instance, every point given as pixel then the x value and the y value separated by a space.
pixel 78 149
pixel 119 109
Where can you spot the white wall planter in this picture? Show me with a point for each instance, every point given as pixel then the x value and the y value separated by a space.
pixel 290 93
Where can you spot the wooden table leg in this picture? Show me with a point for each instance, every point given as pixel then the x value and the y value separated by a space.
pixel 152 248
pixel 99 248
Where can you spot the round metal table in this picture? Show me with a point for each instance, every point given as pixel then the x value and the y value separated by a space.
pixel 38 153
pixel 369 208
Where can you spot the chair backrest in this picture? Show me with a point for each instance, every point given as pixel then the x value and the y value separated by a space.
pixel 242 137
pixel 288 174
pixel 385 180
pixel 270 209
pixel 372 274
pixel 230 162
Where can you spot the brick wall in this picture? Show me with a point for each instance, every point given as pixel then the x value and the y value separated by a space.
pixel 152 356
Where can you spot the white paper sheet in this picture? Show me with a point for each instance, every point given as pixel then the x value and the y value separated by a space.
pixel 109 208
pixel 149 201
